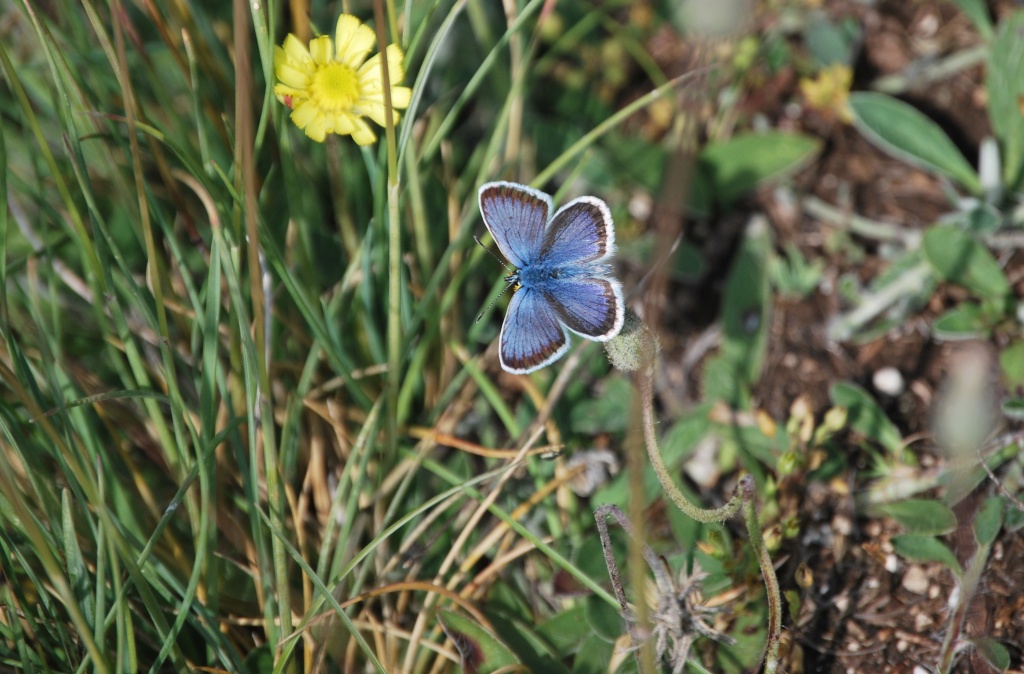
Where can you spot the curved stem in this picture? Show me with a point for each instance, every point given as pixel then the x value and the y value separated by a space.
pixel 771 583
pixel 744 497
pixel 705 515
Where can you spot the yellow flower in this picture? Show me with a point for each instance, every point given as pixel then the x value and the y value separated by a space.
pixel 330 89
pixel 830 92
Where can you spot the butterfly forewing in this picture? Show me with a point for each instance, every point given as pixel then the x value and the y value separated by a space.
pixel 580 232
pixel 515 215
pixel 589 306
pixel 532 335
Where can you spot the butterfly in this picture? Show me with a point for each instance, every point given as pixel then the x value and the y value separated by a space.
pixel 563 280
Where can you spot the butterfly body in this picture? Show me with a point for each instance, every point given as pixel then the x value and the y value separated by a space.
pixel 563 281
pixel 544 275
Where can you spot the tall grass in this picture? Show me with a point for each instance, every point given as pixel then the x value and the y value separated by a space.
pixel 248 420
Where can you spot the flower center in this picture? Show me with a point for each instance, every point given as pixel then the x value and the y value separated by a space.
pixel 335 88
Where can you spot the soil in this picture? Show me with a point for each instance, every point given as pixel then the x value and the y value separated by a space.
pixel 868 610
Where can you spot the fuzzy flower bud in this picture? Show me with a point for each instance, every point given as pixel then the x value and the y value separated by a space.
pixel 634 347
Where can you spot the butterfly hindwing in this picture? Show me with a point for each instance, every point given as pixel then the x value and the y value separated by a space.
pixel 532 335
pixel 516 216
pixel 589 306
pixel 580 232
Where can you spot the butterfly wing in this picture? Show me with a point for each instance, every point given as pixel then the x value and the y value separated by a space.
pixel 516 216
pixel 580 232
pixel 578 240
pixel 590 306
pixel 532 335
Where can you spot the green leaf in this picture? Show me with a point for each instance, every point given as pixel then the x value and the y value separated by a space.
pixel 1011 363
pixel 260 660
pixel 729 169
pixel 966 321
pixel 994 653
pixel 981 220
pixel 1013 409
pixel 958 258
pixel 921 516
pixel 688 264
pixel 682 438
pixel 830 43
pixel 603 618
pixel 907 134
pixel 865 416
pixel 1005 87
pixel 608 413
pixel 593 656
pixel 926 549
pixel 566 630
pixel 989 521
pixel 1015 517
pixel 78 572
pixel 481 651
pixel 977 12
pixel 719 380
pixel 745 305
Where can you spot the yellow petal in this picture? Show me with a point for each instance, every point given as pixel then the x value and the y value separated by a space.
pixel 304 113
pixel 294 50
pixel 401 97
pixel 363 134
pixel 352 40
pixel 374 111
pixel 344 124
pixel 369 75
pixel 370 71
pixel 316 131
pixel 320 50
pixel 395 61
pixel 291 76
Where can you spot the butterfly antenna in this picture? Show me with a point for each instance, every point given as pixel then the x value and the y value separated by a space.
pixel 491 303
pixel 500 261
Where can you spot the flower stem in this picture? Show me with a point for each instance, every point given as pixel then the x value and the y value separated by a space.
pixel 771 583
pixel 744 497
pixel 394 240
pixel 705 515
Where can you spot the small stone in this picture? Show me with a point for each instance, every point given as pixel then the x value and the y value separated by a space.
pixel 922 621
pixel 888 381
pixel 915 580
pixel 954 598
pixel 702 466
pixel 902 645
pixel 842 525
pixel 891 563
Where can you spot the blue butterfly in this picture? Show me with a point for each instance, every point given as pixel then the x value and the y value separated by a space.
pixel 562 280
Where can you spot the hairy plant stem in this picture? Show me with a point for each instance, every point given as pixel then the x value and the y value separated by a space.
pixel 968 587
pixel 744 497
pixel 771 583
pixel 705 515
